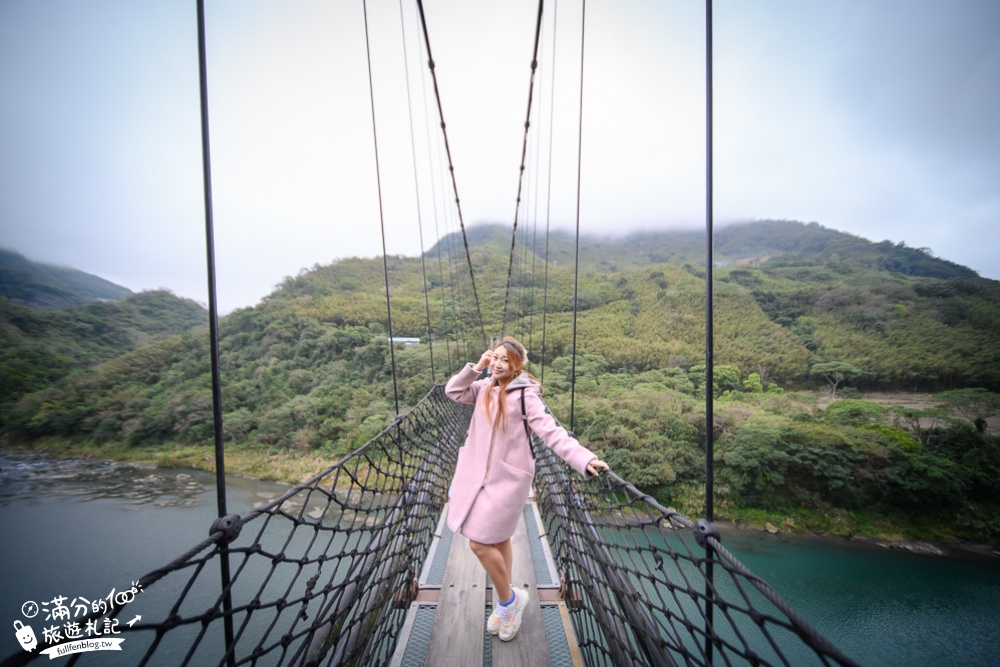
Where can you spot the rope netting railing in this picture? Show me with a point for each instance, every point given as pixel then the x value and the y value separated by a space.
pixel 642 581
pixel 323 574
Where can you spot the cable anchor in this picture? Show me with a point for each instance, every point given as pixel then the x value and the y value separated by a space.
pixel 230 527
pixel 704 529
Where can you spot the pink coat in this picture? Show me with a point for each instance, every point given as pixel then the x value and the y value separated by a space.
pixel 495 469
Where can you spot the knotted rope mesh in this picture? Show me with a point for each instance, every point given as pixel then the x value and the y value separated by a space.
pixel 324 574
pixel 643 590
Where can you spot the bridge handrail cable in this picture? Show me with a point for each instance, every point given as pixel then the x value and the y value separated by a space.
pixel 639 582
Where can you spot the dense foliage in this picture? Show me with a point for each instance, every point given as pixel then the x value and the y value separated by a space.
pixel 805 319
pixel 41 347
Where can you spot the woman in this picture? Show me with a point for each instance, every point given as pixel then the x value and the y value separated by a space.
pixel 495 467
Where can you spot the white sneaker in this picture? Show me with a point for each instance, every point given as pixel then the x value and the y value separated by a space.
pixel 493 622
pixel 512 615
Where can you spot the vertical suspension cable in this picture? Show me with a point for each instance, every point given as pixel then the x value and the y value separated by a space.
pixel 709 283
pixel 456 321
pixel 416 187
pixel 458 308
pixel 526 266
pixel 441 242
pixel 534 218
pixel 524 151
pixel 709 336
pixel 381 216
pixel 525 310
pixel 451 167
pixel 519 298
pixel 576 265
pixel 213 333
pixel 447 288
pixel 548 191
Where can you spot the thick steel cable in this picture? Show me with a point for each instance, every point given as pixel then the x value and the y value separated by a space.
pixel 416 188
pixel 451 166
pixel 709 305
pixel 381 215
pixel 576 264
pixel 709 309
pixel 213 324
pixel 524 152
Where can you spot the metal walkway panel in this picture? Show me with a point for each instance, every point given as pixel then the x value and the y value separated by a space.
pixel 442 627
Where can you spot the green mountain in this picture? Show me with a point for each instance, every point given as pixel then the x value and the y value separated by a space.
pixel 41 347
pixel 775 242
pixel 37 285
pixel 310 372
pixel 788 296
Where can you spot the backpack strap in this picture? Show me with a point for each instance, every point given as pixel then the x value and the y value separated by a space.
pixel 524 420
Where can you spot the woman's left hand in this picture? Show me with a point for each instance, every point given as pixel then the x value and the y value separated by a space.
pixel 595 466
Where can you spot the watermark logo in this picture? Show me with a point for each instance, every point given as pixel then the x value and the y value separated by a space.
pixel 69 648
pixel 75 625
pixel 25 636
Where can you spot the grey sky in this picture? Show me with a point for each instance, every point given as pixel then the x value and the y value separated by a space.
pixel 875 117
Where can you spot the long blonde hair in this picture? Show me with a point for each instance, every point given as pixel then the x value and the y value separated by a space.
pixel 517 356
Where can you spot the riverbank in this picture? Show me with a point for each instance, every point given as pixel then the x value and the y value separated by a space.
pixel 924 535
pixel 259 463
pixel 935 536
pixel 932 532
pixel 944 549
pixel 80 527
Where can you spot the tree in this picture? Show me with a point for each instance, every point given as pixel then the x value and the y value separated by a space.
pixel 976 405
pixel 756 465
pixel 764 373
pixel 725 377
pixel 855 413
pixel 918 422
pixel 924 481
pixel 836 373
pixel 753 384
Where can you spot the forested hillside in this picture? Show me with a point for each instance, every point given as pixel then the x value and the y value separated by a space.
pixel 41 347
pixel 803 316
pixel 36 285
pixel 793 302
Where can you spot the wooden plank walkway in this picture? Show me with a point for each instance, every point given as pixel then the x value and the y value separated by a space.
pixel 457 637
pixel 529 646
pixel 464 599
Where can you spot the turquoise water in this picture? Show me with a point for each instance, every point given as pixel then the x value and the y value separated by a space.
pixel 82 528
pixel 882 606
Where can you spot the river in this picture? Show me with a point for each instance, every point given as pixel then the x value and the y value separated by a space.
pixel 82 529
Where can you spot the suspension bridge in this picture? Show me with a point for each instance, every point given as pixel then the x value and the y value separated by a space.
pixel 356 565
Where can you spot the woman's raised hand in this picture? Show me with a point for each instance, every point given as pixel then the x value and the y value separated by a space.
pixel 484 360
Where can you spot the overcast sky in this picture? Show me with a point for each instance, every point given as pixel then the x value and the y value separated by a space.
pixel 874 117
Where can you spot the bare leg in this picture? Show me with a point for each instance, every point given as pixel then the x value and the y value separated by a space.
pixel 492 558
pixel 508 560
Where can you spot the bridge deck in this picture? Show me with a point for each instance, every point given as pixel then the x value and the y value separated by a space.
pixel 446 623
